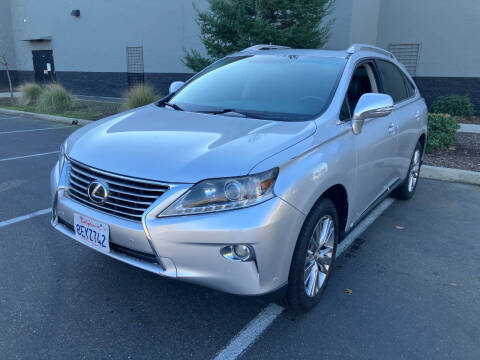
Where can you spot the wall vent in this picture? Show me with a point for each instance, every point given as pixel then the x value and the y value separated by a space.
pixel 135 71
pixel 407 54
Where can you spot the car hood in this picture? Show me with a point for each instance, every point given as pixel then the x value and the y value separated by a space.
pixel 182 147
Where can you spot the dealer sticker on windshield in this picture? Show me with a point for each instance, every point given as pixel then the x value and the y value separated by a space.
pixel 91 232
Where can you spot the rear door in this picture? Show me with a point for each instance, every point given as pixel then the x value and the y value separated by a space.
pixel 407 113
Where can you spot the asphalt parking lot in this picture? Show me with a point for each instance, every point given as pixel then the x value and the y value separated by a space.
pixel 409 287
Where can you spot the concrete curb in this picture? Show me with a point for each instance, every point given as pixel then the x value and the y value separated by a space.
pixel 448 174
pixel 469 128
pixel 55 118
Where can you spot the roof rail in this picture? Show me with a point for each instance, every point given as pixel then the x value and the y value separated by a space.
pixel 265 47
pixel 359 47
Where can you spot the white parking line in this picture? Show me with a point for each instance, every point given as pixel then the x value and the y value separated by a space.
pixel 20 131
pixel 27 156
pixel 252 331
pixel 24 217
pixel 5 117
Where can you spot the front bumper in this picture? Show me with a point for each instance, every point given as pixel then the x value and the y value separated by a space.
pixel 188 247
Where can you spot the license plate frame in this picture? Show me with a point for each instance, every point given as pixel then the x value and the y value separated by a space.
pixel 91 232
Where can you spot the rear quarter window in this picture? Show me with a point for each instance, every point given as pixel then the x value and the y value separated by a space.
pixel 409 86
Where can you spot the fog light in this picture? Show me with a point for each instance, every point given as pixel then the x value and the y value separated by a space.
pixel 241 252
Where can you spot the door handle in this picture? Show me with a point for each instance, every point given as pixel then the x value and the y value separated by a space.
pixel 391 129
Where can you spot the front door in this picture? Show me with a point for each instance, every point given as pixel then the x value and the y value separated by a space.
pixel 375 146
pixel 43 66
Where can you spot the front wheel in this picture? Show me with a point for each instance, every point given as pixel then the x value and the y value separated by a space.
pixel 313 258
pixel 407 188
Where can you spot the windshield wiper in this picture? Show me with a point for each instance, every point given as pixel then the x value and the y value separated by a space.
pixel 223 111
pixel 173 106
pixel 233 112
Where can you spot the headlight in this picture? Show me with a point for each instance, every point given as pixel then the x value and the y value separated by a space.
pixel 224 194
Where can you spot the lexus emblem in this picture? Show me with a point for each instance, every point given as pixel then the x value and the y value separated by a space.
pixel 98 191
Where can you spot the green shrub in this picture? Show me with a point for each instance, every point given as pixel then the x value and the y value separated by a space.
pixel 30 93
pixel 140 95
pixel 455 105
pixel 54 99
pixel 442 131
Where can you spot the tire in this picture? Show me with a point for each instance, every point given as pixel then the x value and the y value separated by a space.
pixel 322 217
pixel 407 188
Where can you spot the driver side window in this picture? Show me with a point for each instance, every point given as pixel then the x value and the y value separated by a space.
pixel 362 82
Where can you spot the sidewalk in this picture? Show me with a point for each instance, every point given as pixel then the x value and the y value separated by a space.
pixel 80 97
pixel 7 94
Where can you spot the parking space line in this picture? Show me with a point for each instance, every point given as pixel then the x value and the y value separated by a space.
pixel 4 117
pixel 252 331
pixel 11 118
pixel 27 156
pixel 24 217
pixel 20 131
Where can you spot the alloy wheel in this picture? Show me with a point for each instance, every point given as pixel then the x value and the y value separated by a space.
pixel 319 255
pixel 414 171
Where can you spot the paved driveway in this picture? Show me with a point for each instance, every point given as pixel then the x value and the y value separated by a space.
pixel 414 277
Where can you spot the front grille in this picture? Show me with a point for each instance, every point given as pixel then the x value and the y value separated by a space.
pixel 128 198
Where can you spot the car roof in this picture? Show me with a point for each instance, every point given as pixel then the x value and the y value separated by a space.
pixel 341 54
pixel 364 50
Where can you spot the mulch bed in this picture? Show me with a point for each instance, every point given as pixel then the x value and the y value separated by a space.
pixel 463 154
pixel 469 120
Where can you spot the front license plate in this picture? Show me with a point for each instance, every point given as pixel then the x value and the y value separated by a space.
pixel 91 232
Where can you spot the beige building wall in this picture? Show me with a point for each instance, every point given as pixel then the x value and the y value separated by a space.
pixel 448 33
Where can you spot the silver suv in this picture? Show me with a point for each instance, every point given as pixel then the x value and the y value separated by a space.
pixel 246 177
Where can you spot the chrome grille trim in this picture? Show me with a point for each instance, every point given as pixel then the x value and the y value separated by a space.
pixel 81 174
pixel 128 197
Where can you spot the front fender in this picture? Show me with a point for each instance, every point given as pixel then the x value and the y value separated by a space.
pixel 304 178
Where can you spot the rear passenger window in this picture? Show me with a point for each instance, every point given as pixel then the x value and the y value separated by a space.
pixel 392 80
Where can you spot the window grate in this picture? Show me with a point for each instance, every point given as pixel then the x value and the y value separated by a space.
pixel 407 54
pixel 135 71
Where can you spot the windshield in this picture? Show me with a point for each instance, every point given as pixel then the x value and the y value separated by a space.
pixel 283 87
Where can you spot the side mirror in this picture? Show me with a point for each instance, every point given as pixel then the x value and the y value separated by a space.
pixel 174 86
pixel 371 105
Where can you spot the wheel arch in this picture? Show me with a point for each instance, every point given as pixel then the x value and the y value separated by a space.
pixel 423 141
pixel 338 195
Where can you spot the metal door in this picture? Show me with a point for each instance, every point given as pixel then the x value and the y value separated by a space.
pixel 43 66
